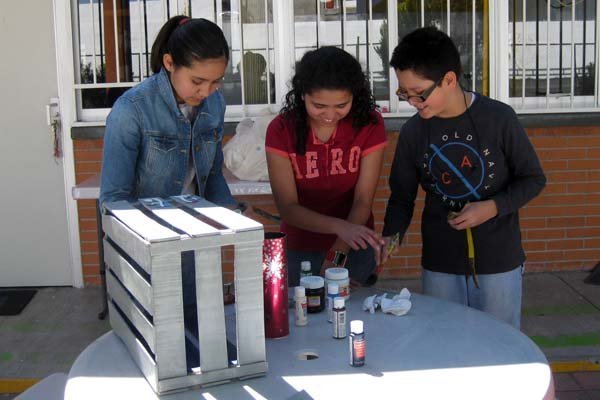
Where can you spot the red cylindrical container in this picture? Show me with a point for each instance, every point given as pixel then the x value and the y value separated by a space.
pixel 275 285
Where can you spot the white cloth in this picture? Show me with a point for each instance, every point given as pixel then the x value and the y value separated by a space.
pixel 398 305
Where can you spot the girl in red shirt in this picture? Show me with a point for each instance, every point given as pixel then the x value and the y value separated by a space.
pixel 324 154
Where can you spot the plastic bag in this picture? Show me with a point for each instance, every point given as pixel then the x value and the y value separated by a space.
pixel 244 154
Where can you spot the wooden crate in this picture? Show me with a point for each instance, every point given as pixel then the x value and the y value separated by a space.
pixel 142 246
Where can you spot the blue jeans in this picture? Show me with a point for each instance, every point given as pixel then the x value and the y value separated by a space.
pixel 360 264
pixel 498 294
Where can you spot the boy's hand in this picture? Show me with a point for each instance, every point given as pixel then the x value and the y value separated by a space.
pixel 389 248
pixel 473 214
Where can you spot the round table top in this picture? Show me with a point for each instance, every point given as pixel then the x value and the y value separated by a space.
pixel 437 350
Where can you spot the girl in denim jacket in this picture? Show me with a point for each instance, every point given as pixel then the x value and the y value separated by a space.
pixel 163 137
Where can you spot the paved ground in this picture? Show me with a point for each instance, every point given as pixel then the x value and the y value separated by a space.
pixel 560 313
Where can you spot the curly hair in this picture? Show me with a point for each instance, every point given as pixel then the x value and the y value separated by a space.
pixel 328 68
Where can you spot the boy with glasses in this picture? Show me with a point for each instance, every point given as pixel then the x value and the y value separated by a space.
pixel 477 167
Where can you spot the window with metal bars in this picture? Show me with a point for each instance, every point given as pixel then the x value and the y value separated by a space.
pixel 553 54
pixel 551 44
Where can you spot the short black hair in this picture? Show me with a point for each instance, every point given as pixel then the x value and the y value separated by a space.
pixel 428 52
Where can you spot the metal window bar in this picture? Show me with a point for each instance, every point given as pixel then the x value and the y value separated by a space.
pixel 369 42
pixel 422 13
pixel 93 42
pixel 146 38
pixel 548 19
pixel 141 44
pixel 473 45
pixel 572 52
pixel 597 58
pixel 537 47
pixel 514 48
pixel 344 25
pixel 100 34
pixel 268 51
pixel 238 3
pixel 448 15
pixel 318 23
pixel 116 33
pixel 523 50
pixel 584 39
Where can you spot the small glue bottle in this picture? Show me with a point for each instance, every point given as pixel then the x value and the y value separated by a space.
pixel 305 269
pixel 339 318
pixel 357 343
pixel 300 306
pixel 333 291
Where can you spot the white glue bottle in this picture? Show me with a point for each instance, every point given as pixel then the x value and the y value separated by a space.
pixel 305 269
pixel 301 318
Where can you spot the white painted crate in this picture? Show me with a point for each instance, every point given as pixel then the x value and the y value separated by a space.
pixel 145 288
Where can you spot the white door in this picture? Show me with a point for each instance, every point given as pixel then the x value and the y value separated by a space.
pixel 34 241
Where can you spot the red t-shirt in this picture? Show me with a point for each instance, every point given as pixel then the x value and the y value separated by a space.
pixel 327 174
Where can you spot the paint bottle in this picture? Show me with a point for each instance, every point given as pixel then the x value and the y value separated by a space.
pixel 339 318
pixel 357 343
pixel 332 292
pixel 301 318
pixel 305 269
pixel 315 293
pixel 340 277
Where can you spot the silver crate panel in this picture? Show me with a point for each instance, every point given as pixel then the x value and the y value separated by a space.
pixel 142 246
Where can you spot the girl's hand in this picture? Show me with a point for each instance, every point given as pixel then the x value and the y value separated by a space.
pixel 358 236
pixel 474 214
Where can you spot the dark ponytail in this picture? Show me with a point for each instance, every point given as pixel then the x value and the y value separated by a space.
pixel 188 40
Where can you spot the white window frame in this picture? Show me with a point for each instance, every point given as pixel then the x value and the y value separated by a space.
pixel 549 104
pixel 284 50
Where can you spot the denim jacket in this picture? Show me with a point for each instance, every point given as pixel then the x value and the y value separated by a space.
pixel 147 143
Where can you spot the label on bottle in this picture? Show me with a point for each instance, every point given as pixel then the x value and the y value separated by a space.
pixel 314 301
pixel 339 324
pixel 301 318
pixel 357 350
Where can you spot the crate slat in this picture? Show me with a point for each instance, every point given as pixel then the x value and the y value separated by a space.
pixel 250 326
pixel 178 218
pixel 136 350
pixel 133 314
pixel 168 315
pixel 136 247
pixel 140 223
pixel 222 215
pixel 131 278
pixel 211 311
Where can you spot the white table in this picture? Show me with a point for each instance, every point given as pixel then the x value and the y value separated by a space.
pixel 89 189
pixel 439 350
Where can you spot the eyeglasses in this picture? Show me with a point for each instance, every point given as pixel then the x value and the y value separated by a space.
pixel 403 96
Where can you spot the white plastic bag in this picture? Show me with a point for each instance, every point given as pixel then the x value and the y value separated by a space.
pixel 244 154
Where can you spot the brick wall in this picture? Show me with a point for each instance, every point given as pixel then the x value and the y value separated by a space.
pixel 561 228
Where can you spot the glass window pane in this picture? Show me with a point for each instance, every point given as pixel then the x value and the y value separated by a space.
pixel 558 50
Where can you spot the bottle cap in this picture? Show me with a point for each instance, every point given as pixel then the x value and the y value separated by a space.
pixel 333 288
pixel 338 302
pixel 305 266
pixel 336 273
pixel 312 282
pixel 299 291
pixel 356 326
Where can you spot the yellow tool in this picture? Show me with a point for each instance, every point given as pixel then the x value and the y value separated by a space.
pixel 470 250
